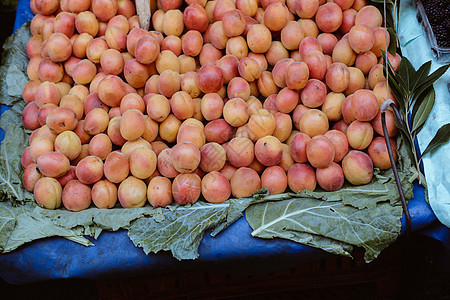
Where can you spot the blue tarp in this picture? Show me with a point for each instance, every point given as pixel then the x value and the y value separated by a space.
pixel 114 255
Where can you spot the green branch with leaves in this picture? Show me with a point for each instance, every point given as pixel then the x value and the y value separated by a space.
pixel 414 92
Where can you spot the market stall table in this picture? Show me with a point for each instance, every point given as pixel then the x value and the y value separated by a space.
pixel 114 255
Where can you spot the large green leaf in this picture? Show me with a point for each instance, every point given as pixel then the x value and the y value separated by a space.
pixel 407 73
pixel 372 229
pixel 420 88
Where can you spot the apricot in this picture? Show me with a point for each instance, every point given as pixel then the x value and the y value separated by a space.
pixel 100 145
pixel 298 147
pixel 191 132
pixel 76 196
pixel 332 106
pixel 218 131
pixel 95 48
pixel 361 38
pixel 390 124
pixel 305 9
pixel 111 90
pixel 59 47
pixel 116 167
pixel 240 152
pixel 369 15
pixel 159 192
pixel 364 105
pixel 309 27
pixel 329 17
pixel 286 100
pixel 168 129
pixel 383 92
pixel 297 75
pixel 49 71
pixel 135 73
pixel 186 188
pixel 215 187
pixel 259 38
pixel 62 119
pixel 69 144
pixel 379 155
pixel 338 77
pixel 89 170
pixel 132 192
pixel 48 193
pixel 376 74
pixel 104 194
pixel 313 94
pixel 235 112
pixel 357 167
pixel 143 162
pixel 244 182
pixel 268 151
pixel 96 121
pixel 283 126
pixel 301 177
pixel 213 157
pixel 30 176
pixel 165 166
pixel 195 17
pixel 173 22
pixel 359 134
pixel 330 178
pixel 320 151
pixel 275 16
pixel 70 175
pixel 47 93
pixel 317 64
pixel 189 84
pixel 53 164
pixel 343 53
pixel 279 71
pixel 314 122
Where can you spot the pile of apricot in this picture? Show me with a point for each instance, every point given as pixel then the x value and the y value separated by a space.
pixel 218 99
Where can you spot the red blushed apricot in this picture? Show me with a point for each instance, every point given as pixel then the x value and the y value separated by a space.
pixel 215 187
pixel 130 146
pixel 286 159
pixel 317 64
pixel 83 72
pixel 218 131
pixel 286 100
pixel 116 167
pixel 48 193
pixel 104 10
pixel 347 112
pixel 260 124
pixel 270 104
pixel 244 182
pixel 348 20
pixel 39 146
pixel 327 41
pixel 291 35
pixel 53 164
pixel 172 43
pixel 341 126
pixel 165 166
pixel 332 106
pixel 34 46
pixel 381 37
pixel 369 15
pixel 182 105
pixel 29 90
pixel 297 75
pixel 340 144
pixel 195 17
pixel 383 92
pixel 330 178
pixel 359 134
pixel 228 171
pixel 49 71
pixel 213 157
pixel 298 147
pixel 96 121
pixel 229 66
pixel 376 75
pixel 30 176
pixel 62 119
pixel 338 77
pixel 185 157
pixel 240 152
pixel 186 188
pixel 275 179
pixel 210 78
pixel 390 124
pixel 329 17
pixel 47 93
pixel 301 177
pixel 59 47
pixel 364 105
pixel 378 152
pixel 279 71
pixel 313 94
pixel 361 38
pixel 111 90
pixel 70 175
pixel 135 73
pixel 76 196
pixel 25 159
pixel 132 192
pixel 357 167
pixel 142 162
pixel 104 194
pixel 89 170
pixel 95 48
pixel 266 84
pixel 320 151
pixel 306 9
pixel 112 62
pixel 268 151
pixel 159 192
pixel 100 145
pixel 308 45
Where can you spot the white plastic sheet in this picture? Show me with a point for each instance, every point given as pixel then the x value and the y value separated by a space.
pixel 415 46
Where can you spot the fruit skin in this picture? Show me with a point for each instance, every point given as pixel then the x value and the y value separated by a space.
pixel 357 167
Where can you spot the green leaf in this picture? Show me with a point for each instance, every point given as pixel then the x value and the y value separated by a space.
pixel 393 38
pixel 441 138
pixel 422 109
pixel 420 88
pixel 407 72
pixel 8 215
pixel 374 229
pixel 421 74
